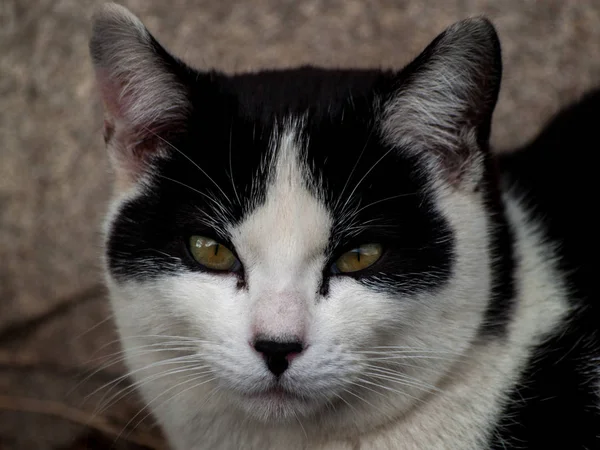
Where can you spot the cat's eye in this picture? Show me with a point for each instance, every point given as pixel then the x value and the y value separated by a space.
pixel 212 255
pixel 358 258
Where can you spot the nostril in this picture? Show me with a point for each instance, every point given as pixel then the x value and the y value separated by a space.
pixel 268 347
pixel 278 354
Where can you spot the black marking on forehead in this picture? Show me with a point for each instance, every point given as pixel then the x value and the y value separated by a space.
pixel 217 171
pixel 216 174
pixel 378 195
pixel 323 95
pixel 374 193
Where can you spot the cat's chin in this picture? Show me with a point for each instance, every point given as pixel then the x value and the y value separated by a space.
pixel 277 404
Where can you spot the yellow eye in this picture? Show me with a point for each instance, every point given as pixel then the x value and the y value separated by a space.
pixel 359 258
pixel 211 254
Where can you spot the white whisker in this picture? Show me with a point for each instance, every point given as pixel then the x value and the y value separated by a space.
pixel 221 208
pixel 93 327
pixel 170 361
pixel 383 200
pixel 401 379
pixel 231 167
pixel 147 406
pixel 190 160
pixel 353 169
pixel 365 176
pixel 104 405
pixel 387 388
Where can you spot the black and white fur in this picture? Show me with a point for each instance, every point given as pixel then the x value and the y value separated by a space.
pixel 477 329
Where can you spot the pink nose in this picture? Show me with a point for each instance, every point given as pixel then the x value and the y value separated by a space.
pixel 279 316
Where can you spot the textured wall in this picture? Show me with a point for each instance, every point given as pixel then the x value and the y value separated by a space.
pixel 54 180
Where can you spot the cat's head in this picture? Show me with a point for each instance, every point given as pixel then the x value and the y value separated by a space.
pixel 307 242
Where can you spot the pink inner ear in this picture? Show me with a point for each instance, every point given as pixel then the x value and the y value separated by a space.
pixel 111 90
pixel 128 159
pixel 120 106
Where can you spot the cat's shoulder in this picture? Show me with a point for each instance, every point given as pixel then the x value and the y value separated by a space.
pixel 555 179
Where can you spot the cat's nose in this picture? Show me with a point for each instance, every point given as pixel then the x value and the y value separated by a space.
pixel 278 354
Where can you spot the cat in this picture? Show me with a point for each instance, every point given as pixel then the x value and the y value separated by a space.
pixel 334 259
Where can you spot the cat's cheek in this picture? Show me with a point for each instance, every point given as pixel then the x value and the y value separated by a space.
pixel 357 312
pixel 129 302
pixel 212 306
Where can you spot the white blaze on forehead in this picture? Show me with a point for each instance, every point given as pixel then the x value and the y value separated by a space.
pixel 281 243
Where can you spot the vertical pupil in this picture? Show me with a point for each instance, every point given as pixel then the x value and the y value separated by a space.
pixel 216 249
pixel 358 255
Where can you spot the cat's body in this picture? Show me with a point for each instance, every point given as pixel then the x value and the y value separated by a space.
pixel 555 405
pixel 465 316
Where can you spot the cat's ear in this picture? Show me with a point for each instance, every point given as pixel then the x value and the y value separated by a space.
pixel 144 95
pixel 442 103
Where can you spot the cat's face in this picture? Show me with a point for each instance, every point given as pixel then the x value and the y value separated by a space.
pixel 300 243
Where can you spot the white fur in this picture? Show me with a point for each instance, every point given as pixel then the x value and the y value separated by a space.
pixel 445 396
pixel 461 417
pixel 283 245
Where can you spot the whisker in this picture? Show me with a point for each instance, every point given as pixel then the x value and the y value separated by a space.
pixel 190 160
pixel 166 362
pixel 392 352
pixel 177 360
pixel 161 336
pixel 212 392
pixel 160 252
pixel 123 352
pixel 345 401
pixel 402 380
pixel 169 340
pixel 365 176
pixel 416 349
pixel 163 402
pixel 300 423
pixel 353 169
pixel 220 206
pixel 329 403
pixel 93 327
pixel 384 200
pixel 157 346
pixel 120 356
pixel 348 391
pixel 123 356
pixel 387 388
pixel 400 365
pixel 231 167
pixel 164 346
pixel 388 358
pixel 104 405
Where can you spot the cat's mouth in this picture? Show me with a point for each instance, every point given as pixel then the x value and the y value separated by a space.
pixel 275 393
pixel 277 403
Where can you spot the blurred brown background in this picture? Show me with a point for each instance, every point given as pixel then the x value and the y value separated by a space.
pixel 54 180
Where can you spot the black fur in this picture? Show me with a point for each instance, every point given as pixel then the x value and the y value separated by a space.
pixel 556 403
pixel 502 298
pixel 228 135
